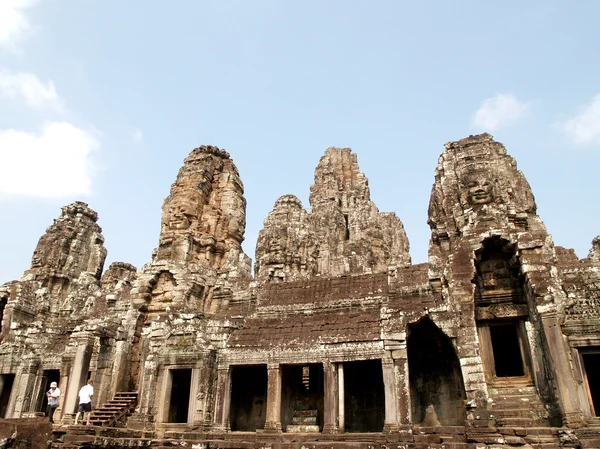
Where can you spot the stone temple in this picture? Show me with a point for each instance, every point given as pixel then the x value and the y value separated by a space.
pixel 335 339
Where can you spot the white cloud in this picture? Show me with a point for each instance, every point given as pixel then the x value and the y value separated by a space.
pixel 14 25
pixel 29 87
pixel 54 163
pixel 136 134
pixel 503 109
pixel 585 127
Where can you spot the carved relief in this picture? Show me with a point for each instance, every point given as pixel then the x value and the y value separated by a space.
pixel 204 217
pixel 343 234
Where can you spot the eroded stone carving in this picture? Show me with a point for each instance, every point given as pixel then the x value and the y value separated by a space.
pixel 343 234
pixel 72 245
pixel 204 217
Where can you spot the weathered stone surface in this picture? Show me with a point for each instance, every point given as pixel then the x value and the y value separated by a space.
pixel 490 343
pixel 343 234
pixel 71 246
pixel 204 217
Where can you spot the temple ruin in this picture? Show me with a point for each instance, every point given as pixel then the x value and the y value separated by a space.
pixel 334 339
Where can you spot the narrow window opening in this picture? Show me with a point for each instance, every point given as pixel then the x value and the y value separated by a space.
pixel 6 384
pixel 179 401
pixel 591 364
pixel 347 227
pixel 507 350
pixel 3 302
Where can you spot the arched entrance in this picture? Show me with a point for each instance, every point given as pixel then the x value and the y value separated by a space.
pixel 437 390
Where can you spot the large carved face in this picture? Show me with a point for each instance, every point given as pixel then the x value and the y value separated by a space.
pixel 181 216
pixel 480 190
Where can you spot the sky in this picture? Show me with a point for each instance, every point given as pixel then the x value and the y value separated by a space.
pixel 100 101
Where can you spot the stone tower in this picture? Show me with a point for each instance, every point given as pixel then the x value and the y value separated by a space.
pixel 344 233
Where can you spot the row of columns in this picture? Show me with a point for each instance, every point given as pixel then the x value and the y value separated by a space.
pixel 73 370
pixel 395 380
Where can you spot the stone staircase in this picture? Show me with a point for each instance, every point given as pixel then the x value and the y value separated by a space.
pixel 518 406
pixel 109 414
pixel 304 421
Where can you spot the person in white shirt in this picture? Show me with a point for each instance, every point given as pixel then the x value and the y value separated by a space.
pixel 53 395
pixel 85 402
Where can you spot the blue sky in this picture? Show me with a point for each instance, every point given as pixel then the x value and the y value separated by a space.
pixel 101 102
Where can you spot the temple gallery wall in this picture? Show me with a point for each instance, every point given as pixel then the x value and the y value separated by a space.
pixel 335 332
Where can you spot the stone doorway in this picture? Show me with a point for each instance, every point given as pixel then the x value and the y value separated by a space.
pixel 591 371
pixel 6 384
pixel 302 398
pixel 364 399
pixel 506 347
pixel 248 411
pixel 48 376
pixel 437 390
pixel 179 395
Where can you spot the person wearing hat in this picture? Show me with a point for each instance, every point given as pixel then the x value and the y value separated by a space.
pixel 53 396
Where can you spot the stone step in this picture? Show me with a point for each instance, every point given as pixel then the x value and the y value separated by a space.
pixel 302 428
pixel 515 422
pixel 306 413
pixel 304 420
pixel 519 413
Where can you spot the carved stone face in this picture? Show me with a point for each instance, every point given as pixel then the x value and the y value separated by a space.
pixel 480 190
pixel 181 217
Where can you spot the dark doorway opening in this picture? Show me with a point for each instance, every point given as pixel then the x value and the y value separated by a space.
pixel 437 390
pixel 506 347
pixel 248 411
pixel 302 395
pixel 179 402
pixel 48 376
pixel 6 384
pixel 591 364
pixel 364 400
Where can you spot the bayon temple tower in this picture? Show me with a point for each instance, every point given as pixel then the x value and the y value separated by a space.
pixel 334 339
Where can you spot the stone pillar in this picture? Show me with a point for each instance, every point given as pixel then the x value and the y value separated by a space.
pixel 78 376
pixel 341 399
pixel 223 400
pixel 402 385
pixel 390 423
pixel 564 378
pixel 20 399
pixel 121 367
pixel 330 405
pixel 273 422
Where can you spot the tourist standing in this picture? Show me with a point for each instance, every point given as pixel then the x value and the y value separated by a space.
pixel 53 395
pixel 85 401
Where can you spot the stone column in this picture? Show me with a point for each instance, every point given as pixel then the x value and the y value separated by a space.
pixel 78 376
pixel 330 406
pixel 273 422
pixel 121 367
pixel 20 399
pixel 223 400
pixel 402 385
pixel 341 399
pixel 564 378
pixel 391 403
